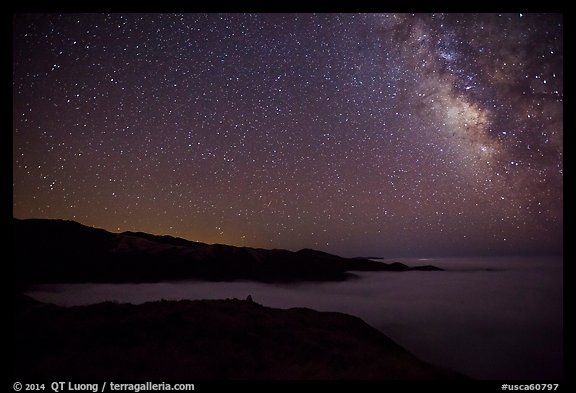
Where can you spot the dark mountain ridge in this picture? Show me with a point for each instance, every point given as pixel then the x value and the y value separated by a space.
pixel 203 340
pixel 51 251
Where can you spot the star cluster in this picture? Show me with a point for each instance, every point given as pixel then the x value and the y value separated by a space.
pixel 357 134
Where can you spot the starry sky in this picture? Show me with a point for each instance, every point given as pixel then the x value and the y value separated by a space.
pixel 356 134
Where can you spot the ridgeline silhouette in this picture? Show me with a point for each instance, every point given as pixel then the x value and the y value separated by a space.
pixel 57 251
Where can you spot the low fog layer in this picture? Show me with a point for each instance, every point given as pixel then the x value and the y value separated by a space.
pixel 489 318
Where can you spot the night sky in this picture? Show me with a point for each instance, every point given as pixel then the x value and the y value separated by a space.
pixel 356 134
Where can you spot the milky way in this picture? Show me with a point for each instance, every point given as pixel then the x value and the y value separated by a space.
pixel 357 134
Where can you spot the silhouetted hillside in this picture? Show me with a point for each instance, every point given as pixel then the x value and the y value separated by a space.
pixel 65 251
pixel 203 339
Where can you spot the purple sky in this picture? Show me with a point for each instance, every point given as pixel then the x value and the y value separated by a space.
pixel 357 134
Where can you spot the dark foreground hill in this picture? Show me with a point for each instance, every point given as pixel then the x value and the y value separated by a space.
pixel 65 251
pixel 203 339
